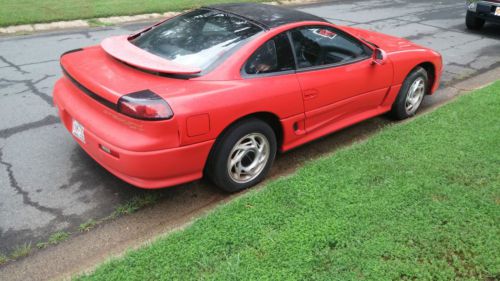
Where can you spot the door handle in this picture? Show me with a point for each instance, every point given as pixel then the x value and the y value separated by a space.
pixel 310 94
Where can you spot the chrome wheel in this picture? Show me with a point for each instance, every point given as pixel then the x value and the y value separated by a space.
pixel 415 96
pixel 248 158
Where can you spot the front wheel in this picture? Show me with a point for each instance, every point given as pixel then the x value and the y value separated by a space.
pixel 411 94
pixel 243 155
pixel 473 22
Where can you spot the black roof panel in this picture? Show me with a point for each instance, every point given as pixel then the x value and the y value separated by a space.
pixel 267 15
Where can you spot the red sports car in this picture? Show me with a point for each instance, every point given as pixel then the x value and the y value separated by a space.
pixel 217 91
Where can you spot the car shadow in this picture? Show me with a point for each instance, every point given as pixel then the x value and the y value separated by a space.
pixel 490 30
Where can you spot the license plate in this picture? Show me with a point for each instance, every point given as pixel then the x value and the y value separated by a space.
pixel 78 131
pixel 497 11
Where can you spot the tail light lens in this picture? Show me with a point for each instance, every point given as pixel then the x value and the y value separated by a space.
pixel 145 105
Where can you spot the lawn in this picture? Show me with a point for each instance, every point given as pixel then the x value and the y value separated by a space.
pixel 13 12
pixel 418 201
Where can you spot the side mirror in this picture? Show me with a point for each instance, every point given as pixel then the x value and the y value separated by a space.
pixel 379 57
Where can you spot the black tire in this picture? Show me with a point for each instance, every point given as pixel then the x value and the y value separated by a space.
pixel 399 110
pixel 473 22
pixel 218 167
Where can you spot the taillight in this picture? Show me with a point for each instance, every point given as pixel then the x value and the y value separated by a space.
pixel 145 105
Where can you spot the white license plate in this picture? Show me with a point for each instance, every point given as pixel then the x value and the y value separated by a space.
pixel 497 11
pixel 78 131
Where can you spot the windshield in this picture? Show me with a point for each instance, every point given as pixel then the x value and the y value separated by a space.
pixel 197 38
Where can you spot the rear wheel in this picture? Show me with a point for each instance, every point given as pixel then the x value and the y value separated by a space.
pixel 411 94
pixel 473 22
pixel 243 155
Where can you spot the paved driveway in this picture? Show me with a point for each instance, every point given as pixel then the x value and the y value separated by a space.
pixel 48 184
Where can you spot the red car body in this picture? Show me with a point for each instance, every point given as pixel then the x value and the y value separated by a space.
pixel 300 105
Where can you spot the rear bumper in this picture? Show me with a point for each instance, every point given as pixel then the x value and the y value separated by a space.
pixel 155 168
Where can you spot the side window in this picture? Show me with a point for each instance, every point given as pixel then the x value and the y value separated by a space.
pixel 274 56
pixel 316 46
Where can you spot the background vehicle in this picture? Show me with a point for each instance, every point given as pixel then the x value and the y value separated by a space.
pixel 480 12
pixel 219 90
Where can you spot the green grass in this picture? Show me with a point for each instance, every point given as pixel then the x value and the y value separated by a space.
pixel 54 239
pixel 3 259
pixel 87 226
pixel 58 237
pixel 13 12
pixel 21 251
pixel 42 245
pixel 134 204
pixel 419 201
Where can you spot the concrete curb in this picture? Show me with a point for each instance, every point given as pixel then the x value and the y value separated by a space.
pixel 82 23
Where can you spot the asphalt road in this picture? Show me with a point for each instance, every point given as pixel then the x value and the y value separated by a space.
pixel 48 184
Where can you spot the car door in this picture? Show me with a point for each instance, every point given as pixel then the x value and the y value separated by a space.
pixel 270 72
pixel 337 75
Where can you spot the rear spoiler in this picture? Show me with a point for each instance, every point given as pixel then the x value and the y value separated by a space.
pixel 122 49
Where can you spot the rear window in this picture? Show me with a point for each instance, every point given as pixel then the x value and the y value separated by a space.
pixel 199 38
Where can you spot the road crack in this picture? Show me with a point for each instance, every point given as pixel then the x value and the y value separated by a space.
pixel 13 65
pixel 25 195
pixel 31 63
pixel 48 120
pixel 31 85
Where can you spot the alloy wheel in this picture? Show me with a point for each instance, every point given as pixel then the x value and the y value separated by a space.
pixel 248 158
pixel 415 96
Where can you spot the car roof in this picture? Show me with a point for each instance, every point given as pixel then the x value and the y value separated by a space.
pixel 268 16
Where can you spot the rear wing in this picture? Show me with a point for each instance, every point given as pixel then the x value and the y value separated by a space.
pixel 122 49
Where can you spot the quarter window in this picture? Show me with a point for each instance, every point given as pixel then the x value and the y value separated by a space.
pixel 316 46
pixel 274 56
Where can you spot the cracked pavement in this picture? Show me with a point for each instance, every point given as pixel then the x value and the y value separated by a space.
pixel 48 184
